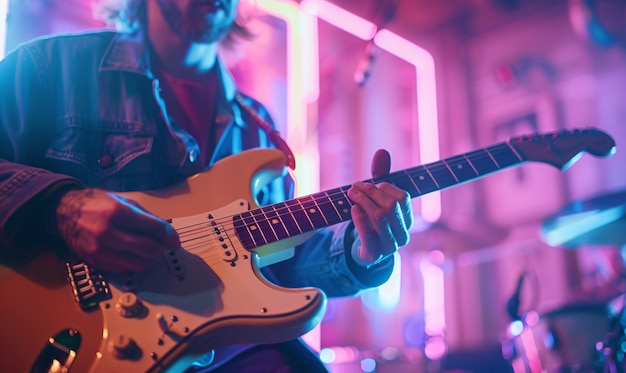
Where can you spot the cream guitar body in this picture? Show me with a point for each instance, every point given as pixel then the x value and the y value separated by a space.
pixel 206 295
pixel 59 315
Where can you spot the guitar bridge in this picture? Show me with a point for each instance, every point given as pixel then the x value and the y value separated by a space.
pixel 89 286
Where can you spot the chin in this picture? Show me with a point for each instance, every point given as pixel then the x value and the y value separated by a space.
pixel 208 36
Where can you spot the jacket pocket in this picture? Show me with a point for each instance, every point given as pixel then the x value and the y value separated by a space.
pixel 102 150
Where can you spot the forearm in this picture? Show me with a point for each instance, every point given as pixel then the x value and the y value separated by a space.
pixel 28 196
pixel 324 262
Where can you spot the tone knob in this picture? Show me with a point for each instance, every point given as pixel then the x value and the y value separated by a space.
pixel 123 347
pixel 128 305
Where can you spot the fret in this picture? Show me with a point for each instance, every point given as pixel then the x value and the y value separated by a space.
pixel 313 212
pixel 243 233
pixel 299 215
pixel 471 165
pixel 264 226
pixel 253 228
pixel 403 180
pixel 461 168
pixel 276 222
pixel 327 208
pixel 423 180
pixel 289 221
pixel 482 161
pixel 442 175
pixel 342 204
pixel 504 155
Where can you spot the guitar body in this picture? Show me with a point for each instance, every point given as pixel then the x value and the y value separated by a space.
pixel 206 295
pixel 39 304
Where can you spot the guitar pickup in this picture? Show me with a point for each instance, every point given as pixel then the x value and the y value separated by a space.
pixel 174 263
pixel 89 286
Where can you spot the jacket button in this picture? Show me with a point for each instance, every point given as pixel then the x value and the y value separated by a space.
pixel 105 161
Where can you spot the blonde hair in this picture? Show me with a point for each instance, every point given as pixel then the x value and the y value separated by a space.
pixel 130 15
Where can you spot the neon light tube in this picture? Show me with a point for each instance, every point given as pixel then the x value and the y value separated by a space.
pixel 340 18
pixel 4 12
pixel 426 104
pixel 422 60
pixel 302 87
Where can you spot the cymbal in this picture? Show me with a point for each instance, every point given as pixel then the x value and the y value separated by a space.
pixel 600 220
pixel 456 238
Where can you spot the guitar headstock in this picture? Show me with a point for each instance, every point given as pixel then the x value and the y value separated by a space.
pixel 561 149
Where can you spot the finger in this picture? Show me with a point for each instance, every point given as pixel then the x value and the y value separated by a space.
pixel 404 202
pixel 372 221
pixel 398 227
pixel 381 163
pixel 362 194
pixel 140 222
pixel 372 197
pixel 117 261
pixel 144 247
pixel 383 209
pixel 369 251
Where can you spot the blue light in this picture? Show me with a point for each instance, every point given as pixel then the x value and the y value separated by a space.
pixel 387 296
pixel 569 227
pixel 368 365
pixel 4 12
pixel 516 328
pixel 327 355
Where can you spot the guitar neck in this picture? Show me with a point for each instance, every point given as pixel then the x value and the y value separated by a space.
pixel 279 221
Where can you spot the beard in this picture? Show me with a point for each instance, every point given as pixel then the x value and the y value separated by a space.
pixel 198 22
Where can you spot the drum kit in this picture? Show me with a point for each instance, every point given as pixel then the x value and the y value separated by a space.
pixel 583 337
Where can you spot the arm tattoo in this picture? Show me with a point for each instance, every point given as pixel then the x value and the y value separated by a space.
pixel 69 212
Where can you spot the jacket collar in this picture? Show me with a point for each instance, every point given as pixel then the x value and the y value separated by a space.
pixel 129 52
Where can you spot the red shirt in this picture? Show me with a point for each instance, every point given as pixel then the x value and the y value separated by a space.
pixel 191 107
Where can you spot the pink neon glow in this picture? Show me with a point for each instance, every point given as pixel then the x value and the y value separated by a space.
pixel 302 86
pixel 426 83
pixel 340 18
pixel 435 348
pixel 299 91
pixel 4 12
pixel 426 104
pixel 312 71
pixel 434 296
pixel 530 349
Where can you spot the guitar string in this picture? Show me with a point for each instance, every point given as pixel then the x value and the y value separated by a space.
pixel 328 198
pixel 342 191
pixel 285 211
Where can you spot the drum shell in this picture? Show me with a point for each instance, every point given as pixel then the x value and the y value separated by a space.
pixel 561 341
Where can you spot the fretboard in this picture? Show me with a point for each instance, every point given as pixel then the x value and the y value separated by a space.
pixel 279 221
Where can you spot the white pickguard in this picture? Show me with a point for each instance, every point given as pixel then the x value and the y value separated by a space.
pixel 215 293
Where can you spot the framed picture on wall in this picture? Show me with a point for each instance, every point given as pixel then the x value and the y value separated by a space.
pixel 529 192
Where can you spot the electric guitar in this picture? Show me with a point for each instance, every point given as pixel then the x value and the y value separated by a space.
pixel 60 315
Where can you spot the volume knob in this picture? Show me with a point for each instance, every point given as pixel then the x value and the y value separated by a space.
pixel 128 305
pixel 123 347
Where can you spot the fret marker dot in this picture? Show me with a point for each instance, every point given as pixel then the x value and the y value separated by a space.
pixel 340 203
pixel 312 211
pixel 274 221
pixel 421 177
pixel 253 227
pixel 460 166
